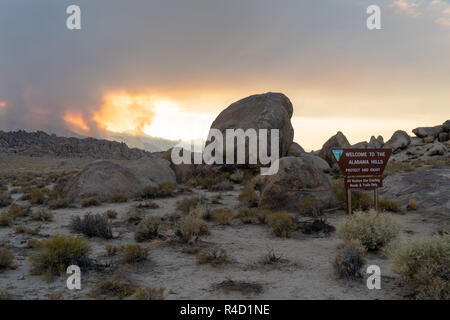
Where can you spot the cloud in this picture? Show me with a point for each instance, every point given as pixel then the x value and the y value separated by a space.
pixel 408 7
pixel 443 21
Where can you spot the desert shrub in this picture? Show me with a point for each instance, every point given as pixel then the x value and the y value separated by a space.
pixel 111 250
pixel 349 259
pixel 239 286
pixel 237 176
pixel 90 202
pixel 394 166
pixel 147 229
pixel 316 226
pixel 59 203
pixel 30 231
pixel 191 228
pixel 6 258
pixel 308 205
pixel 250 216
pixel 221 186
pixel 213 256
pixel 92 225
pixel 389 205
pixel 281 223
pixel 372 230
pixel 148 205
pixel 149 294
pixel 361 200
pixel 201 211
pixel 56 193
pixel 111 214
pixel 33 243
pixel 17 212
pixel 5 220
pixel 412 204
pixel 134 215
pixel 42 215
pixel 5 199
pixel 270 258
pixel 222 216
pixel 163 190
pixel 37 197
pixel 133 253
pixel 57 253
pixel 5 295
pixel 119 198
pixel 248 197
pixel 187 204
pixel 113 288
pixel 425 265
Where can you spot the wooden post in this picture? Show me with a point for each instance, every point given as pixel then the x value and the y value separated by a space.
pixel 375 199
pixel 349 201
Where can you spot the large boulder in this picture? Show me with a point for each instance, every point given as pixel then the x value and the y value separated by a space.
pixel 104 179
pixel 295 179
pixel 261 111
pixel 361 145
pixel 438 149
pixel 446 126
pixel 423 132
pixel 376 143
pixel 295 150
pixel 338 141
pixel 399 140
pixel 316 161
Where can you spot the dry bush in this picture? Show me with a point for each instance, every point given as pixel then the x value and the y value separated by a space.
pixel 386 204
pixel 119 198
pixel 5 199
pixel 92 225
pixel 5 220
pixel 201 211
pixel 213 256
pixel 187 204
pixel 222 216
pixel 33 243
pixel 57 253
pixel 191 228
pixel 90 202
pixel 113 286
pixel 237 176
pixel 281 223
pixel 361 200
pixel 111 250
pixel 221 186
pixel 5 295
pixel 148 228
pixel 134 215
pixel 37 197
pixel 149 294
pixel 59 203
pixel 248 197
pixel 17 212
pixel 111 214
pixel 308 206
pixel 26 230
pixel 270 258
pixel 425 266
pixel 316 226
pixel 372 230
pixel 42 215
pixel 251 216
pixel 240 286
pixel 133 253
pixel 6 259
pixel 394 166
pixel 349 259
pixel 412 204
pixel 163 190
pixel 148 205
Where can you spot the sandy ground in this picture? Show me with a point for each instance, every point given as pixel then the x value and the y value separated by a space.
pixel 307 273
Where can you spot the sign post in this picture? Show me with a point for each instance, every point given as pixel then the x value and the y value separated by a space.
pixel 362 169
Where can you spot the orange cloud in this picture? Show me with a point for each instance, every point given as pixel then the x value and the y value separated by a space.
pixel 3 104
pixel 123 112
pixel 76 119
pixel 406 6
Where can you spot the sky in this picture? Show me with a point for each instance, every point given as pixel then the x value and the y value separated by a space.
pixel 167 68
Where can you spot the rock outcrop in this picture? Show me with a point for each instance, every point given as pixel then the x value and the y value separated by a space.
pixel 261 111
pixel 38 144
pixel 338 141
pixel 295 150
pixel 429 134
pixel 296 178
pixel 104 179
pixel 399 140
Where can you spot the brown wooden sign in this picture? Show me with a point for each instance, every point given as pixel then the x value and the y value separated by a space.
pixel 363 182
pixel 362 162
